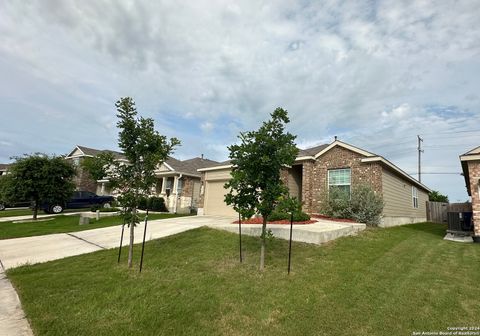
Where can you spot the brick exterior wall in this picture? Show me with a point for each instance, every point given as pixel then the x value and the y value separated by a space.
pixel 474 175
pixel 315 175
pixel 187 189
pixel 83 181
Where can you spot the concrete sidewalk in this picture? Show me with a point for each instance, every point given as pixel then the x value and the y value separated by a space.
pixel 30 250
pixel 12 317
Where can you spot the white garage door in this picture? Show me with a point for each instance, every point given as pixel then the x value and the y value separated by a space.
pixel 215 199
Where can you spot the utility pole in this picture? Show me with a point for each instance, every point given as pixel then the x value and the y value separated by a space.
pixel 420 151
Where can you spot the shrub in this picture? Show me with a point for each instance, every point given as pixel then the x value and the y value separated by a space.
pixel 366 206
pixel 336 204
pixel 143 203
pixel 363 205
pixel 284 209
pixel 157 204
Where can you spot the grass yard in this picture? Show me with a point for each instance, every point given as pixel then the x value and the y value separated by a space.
pixel 29 212
pixel 61 224
pixel 382 282
pixel 16 212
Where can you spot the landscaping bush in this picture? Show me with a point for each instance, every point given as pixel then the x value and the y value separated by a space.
pixel 157 204
pixel 363 205
pixel 366 206
pixel 284 209
pixel 336 204
pixel 143 203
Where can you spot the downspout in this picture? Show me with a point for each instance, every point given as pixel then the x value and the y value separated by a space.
pixel 176 194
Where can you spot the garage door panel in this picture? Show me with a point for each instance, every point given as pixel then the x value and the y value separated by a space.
pixel 215 199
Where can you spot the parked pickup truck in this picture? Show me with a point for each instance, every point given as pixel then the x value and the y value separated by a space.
pixel 79 199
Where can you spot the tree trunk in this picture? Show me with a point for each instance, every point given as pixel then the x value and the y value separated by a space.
pixel 132 231
pixel 35 210
pixel 262 250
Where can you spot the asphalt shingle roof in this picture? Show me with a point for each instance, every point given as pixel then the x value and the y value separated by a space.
pixel 95 152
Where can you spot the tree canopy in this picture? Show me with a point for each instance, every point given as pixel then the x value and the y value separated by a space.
pixel 39 178
pixel 256 186
pixel 435 196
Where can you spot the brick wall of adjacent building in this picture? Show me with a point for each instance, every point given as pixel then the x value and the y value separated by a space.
pixel 187 188
pixel 315 175
pixel 474 175
pixel 83 181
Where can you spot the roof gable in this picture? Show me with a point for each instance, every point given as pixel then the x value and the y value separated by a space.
pixel 474 151
pixel 346 146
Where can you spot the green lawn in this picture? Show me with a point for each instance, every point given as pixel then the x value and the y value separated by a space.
pixel 16 212
pixel 28 212
pixel 382 282
pixel 61 224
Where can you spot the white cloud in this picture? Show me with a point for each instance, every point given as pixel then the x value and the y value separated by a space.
pixel 367 72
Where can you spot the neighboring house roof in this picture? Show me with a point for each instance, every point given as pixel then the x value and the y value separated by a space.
pixel 87 151
pixel 314 153
pixel 471 155
pixel 190 166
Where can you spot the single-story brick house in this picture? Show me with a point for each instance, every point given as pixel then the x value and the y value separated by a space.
pixel 471 172
pixel 178 181
pixel 337 164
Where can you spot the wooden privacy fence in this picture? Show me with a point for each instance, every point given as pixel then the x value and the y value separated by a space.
pixel 437 211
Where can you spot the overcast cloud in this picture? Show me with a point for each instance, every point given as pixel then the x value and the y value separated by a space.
pixel 375 74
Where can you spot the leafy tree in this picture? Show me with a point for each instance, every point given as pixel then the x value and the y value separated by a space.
pixel 96 167
pixel 435 196
pixel 39 178
pixel 144 149
pixel 255 186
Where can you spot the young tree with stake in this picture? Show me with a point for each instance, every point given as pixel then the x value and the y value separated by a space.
pixel 145 149
pixel 255 186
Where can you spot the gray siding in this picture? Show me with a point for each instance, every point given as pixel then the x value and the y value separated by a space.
pixel 397 195
pixel 295 182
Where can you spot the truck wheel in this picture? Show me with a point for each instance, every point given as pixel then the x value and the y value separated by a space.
pixel 2 206
pixel 56 209
pixel 107 205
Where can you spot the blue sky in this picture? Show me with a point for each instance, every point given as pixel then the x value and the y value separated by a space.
pixel 375 74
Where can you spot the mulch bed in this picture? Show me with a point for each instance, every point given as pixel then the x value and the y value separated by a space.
pixel 259 220
pixel 345 220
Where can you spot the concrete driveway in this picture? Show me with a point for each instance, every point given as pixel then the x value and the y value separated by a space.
pixel 30 250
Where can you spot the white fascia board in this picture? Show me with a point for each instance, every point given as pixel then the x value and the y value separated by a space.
pixel 396 169
pixel 215 168
pixel 164 173
pixel 168 166
pixel 74 156
pixel 303 158
pixel 344 145
pixel 470 157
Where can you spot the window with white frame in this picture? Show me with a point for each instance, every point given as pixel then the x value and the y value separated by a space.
pixel 414 197
pixel 340 179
